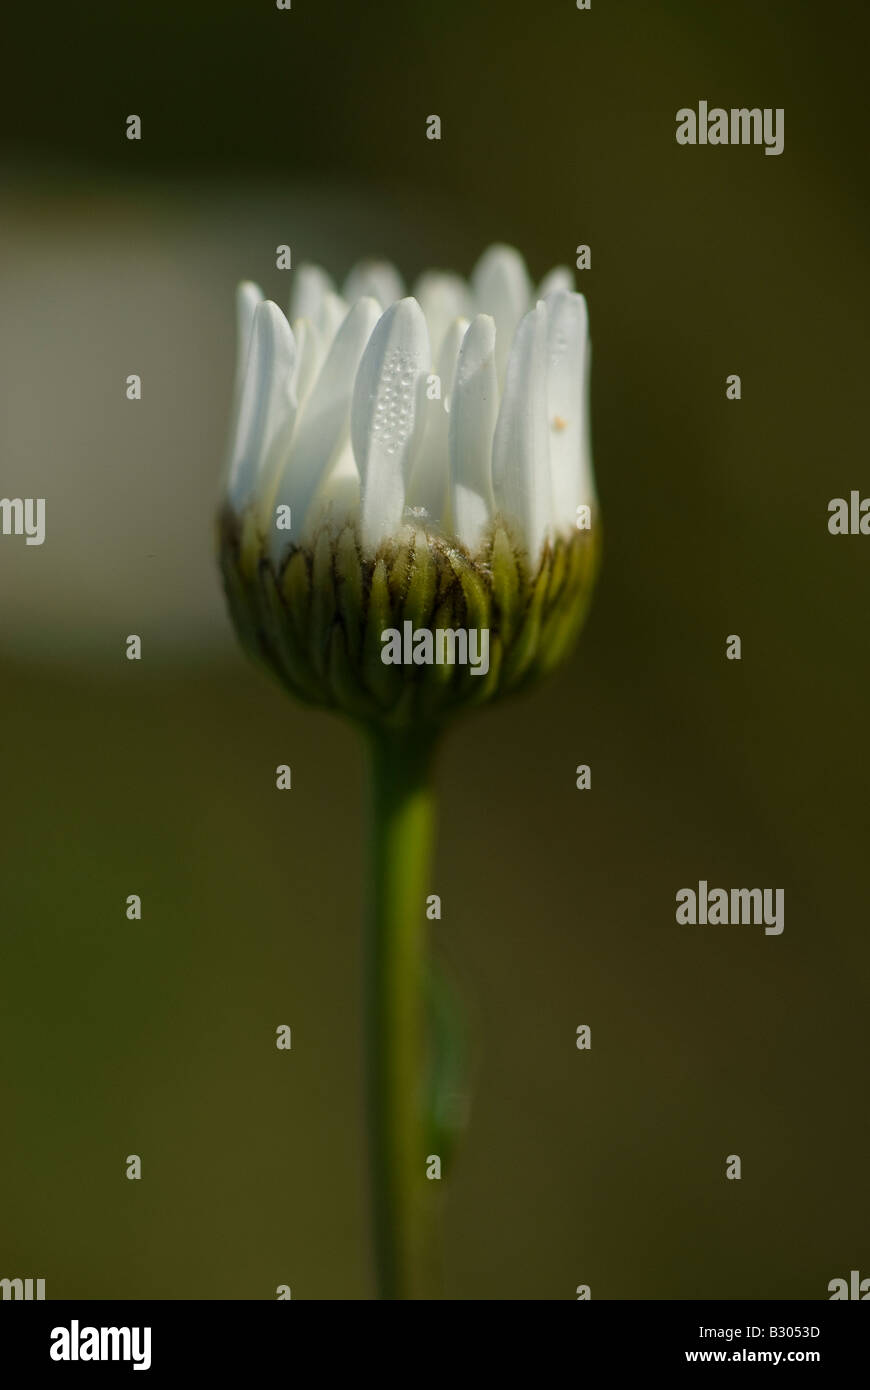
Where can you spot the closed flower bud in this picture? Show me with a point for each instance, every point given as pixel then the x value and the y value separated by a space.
pixel 409 522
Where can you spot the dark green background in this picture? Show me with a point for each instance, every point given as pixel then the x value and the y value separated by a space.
pixel 157 1038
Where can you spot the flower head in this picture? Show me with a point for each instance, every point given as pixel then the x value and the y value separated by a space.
pixel 422 459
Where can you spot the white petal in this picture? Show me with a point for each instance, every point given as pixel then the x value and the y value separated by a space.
pixel 503 289
pixel 307 359
pixel 567 338
pixel 338 498
pixel 248 296
pixel 378 279
pixel 473 412
pixel 560 278
pixel 268 403
pixel 310 286
pixel 385 416
pixel 323 428
pixel 588 490
pixel 520 447
pixel 314 340
pixel 428 488
pixel 333 312
pixel 443 299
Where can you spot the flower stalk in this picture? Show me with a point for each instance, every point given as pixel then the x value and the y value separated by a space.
pixel 402 827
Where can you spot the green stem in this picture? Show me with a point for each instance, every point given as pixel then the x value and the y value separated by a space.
pixel 402 834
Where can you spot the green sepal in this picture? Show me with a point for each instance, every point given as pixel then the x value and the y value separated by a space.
pixel 323 605
pixel 384 681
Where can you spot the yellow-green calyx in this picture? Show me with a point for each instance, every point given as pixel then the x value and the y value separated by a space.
pixel 319 620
